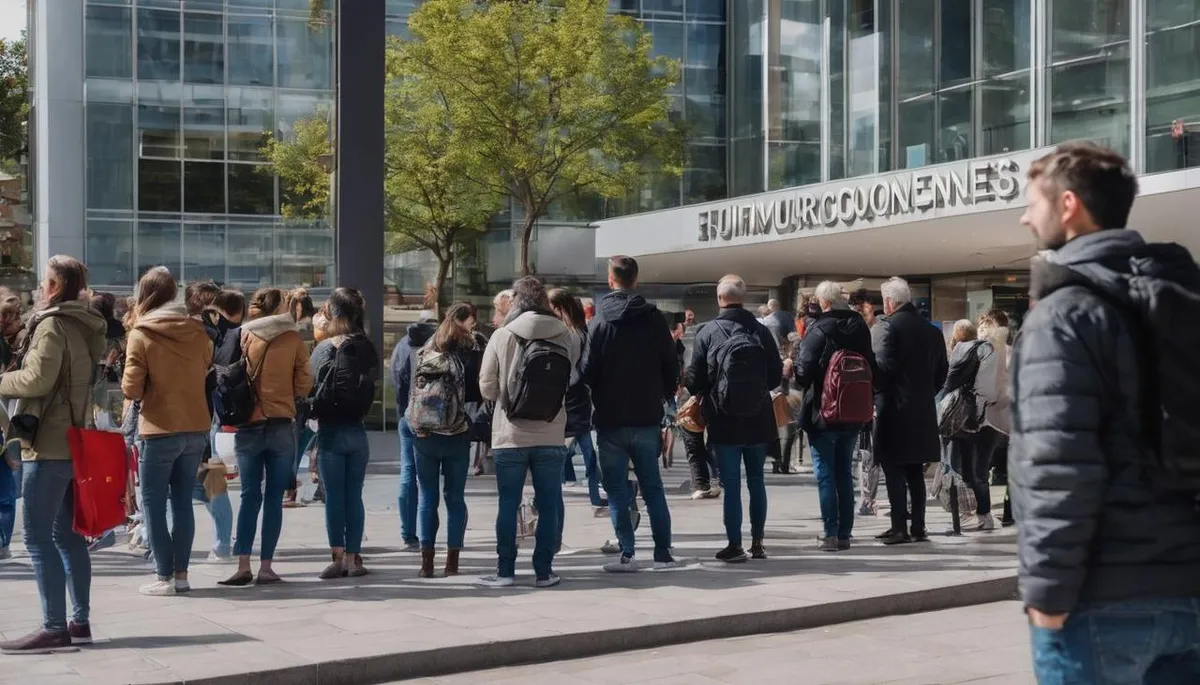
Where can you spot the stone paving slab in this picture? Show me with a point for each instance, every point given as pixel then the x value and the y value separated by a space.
pixel 391 624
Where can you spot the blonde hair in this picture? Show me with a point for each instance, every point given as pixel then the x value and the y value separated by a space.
pixel 964 331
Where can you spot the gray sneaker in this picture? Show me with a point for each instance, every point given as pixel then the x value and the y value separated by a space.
pixel 611 547
pixel 623 565
pixel 828 545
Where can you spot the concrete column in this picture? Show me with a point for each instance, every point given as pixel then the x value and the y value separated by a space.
pixel 57 147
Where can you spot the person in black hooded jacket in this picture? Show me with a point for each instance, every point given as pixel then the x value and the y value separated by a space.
pixel 631 369
pixel 1109 563
pixel 403 359
pixel 832 445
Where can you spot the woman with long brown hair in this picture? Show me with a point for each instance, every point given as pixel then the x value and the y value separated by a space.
pixel 445 379
pixel 66 343
pixel 569 310
pixel 166 364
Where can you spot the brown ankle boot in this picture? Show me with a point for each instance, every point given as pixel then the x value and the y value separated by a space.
pixel 426 563
pixel 451 562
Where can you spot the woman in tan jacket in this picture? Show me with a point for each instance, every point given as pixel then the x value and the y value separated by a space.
pixel 277 359
pixel 167 358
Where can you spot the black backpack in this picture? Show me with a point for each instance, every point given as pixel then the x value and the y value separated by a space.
pixel 537 380
pixel 345 388
pixel 738 365
pixel 232 392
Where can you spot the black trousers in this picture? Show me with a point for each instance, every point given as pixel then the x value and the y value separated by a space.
pixel 697 457
pixel 971 456
pixel 905 479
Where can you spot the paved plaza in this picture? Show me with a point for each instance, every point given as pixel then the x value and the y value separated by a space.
pixel 390 624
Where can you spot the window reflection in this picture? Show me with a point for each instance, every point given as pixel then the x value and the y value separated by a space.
pixel 204 252
pixel 251 118
pixel 204 187
pixel 158 130
pixel 251 189
pixel 704 81
pixel 203 48
pixel 251 51
pixel 158 45
pixel 668 43
pixel 704 177
pixel 108 252
pixel 251 254
pixel 109 42
pixel 305 54
pixel 1172 85
pixel 158 185
pixel 158 245
pixel 1089 77
pixel 204 130
pixel 109 155
pixel 662 9
pixel 707 10
pixel 305 255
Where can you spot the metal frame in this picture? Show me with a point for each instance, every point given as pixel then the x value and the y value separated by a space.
pixel 1137 85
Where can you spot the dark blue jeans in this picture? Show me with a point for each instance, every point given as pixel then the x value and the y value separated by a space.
pixel 59 554
pixel 545 463
pixel 731 458
pixel 10 485
pixel 304 440
pixel 407 502
pixel 266 449
pixel 620 447
pixel 438 456
pixel 1134 642
pixel 167 467
pixel 833 458
pixel 591 469
pixel 344 453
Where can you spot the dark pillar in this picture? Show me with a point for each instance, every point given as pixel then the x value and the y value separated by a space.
pixel 359 180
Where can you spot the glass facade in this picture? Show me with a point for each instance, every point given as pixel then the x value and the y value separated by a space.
pixel 179 100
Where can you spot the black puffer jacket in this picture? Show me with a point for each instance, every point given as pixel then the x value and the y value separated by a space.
pixel 836 329
pixel 910 355
pixel 1090 526
pixel 630 364
pixel 579 398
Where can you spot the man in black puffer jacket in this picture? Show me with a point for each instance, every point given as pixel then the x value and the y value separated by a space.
pixel 632 370
pixel 1109 565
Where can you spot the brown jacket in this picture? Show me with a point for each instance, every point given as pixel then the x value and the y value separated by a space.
pixel 284 374
pixel 167 358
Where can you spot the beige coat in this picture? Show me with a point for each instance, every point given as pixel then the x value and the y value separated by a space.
pixel 278 359
pixel 167 360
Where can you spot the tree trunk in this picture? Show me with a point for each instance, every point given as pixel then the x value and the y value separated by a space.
pixel 444 294
pixel 526 235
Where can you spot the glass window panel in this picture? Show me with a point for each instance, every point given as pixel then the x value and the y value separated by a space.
pixel 916 133
pixel 862 91
pixel 158 185
pixel 204 130
pixel 794 164
pixel 251 51
pixel 165 4
pixel 204 187
pixel 215 5
pixel 251 189
pixel 1006 42
pixel 708 10
pixel 109 42
pixel 954 140
pixel 748 136
pixel 957 55
pixel 305 54
pixel 668 42
pixel 400 8
pixel 203 48
pixel 704 81
pixel 251 255
pixel 1005 115
pixel 837 91
pixel 159 130
pixel 624 7
pixel 204 252
pixel 250 4
pixel 251 118
pixel 1090 100
pixel 663 9
pixel 704 176
pixel 158 245
pixel 305 256
pixel 110 169
pixel 1172 85
pixel 1087 27
pixel 108 251
pixel 158 45
pixel 917 21
pixel 795 72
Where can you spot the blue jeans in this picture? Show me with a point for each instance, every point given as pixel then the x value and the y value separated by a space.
pixel 545 463
pixel 1134 642
pixel 10 485
pixel 437 456
pixel 59 554
pixel 220 509
pixel 731 458
pixel 833 457
pixel 343 464
pixel 266 448
pixel 591 469
pixel 304 440
pixel 620 447
pixel 167 467
pixel 407 502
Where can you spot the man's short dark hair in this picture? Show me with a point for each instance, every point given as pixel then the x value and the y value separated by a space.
pixel 1100 177
pixel 529 295
pixel 860 297
pixel 624 270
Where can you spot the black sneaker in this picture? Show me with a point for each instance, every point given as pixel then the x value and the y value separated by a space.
pixel 886 534
pixel 732 555
pixel 920 535
pixel 757 552
pixel 897 538
pixel 40 642
pixel 81 633
pixel 843 544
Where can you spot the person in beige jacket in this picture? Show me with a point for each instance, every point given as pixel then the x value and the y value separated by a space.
pixel 277 360
pixel 167 358
pixel 66 343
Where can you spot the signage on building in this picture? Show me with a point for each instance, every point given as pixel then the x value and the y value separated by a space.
pixel 980 182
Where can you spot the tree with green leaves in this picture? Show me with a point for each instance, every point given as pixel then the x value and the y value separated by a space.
pixel 547 99
pixel 303 161
pixel 14 102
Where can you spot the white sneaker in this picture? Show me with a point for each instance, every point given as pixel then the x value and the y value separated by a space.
pixel 699 494
pixel 668 565
pixel 551 581
pixel 714 491
pixel 158 588
pixel 624 565
pixel 182 586
pixel 986 522
pixel 611 547
pixel 411 547
pixel 497 581
pixel 214 558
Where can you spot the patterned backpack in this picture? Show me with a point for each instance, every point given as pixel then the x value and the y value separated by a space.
pixel 437 401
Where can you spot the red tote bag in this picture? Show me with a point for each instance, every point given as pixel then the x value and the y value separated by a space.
pixel 101 469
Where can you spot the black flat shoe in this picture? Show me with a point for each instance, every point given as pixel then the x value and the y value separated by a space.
pixel 886 534
pixel 920 536
pixel 267 580
pixel 238 580
pixel 897 539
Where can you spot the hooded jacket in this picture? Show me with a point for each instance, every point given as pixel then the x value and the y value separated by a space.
pixel 497 369
pixel 167 359
pixel 702 380
pixel 836 329
pixel 404 359
pixel 277 359
pixel 54 380
pixel 631 365
pixel 1092 528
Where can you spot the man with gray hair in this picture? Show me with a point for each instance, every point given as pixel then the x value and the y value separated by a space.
pixel 912 365
pixel 734 367
pixel 779 322
pixel 501 306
